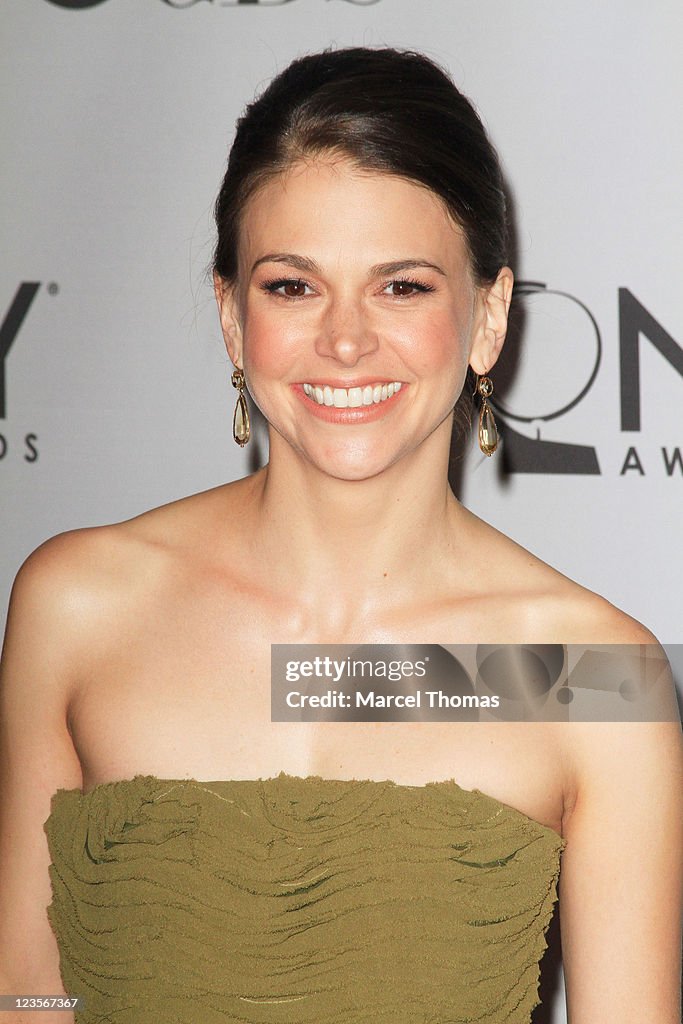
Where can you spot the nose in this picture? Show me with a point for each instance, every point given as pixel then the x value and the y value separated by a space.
pixel 345 333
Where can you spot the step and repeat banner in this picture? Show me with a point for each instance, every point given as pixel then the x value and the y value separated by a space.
pixel 115 391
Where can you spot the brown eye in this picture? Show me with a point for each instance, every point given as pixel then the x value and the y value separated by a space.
pixel 286 287
pixel 404 289
pixel 294 289
pixel 401 288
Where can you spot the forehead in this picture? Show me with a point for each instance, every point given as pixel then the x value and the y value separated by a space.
pixel 341 210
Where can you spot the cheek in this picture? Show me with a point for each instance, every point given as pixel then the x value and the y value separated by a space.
pixel 439 343
pixel 270 346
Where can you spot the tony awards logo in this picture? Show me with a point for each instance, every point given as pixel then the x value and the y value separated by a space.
pixel 9 331
pixel 548 366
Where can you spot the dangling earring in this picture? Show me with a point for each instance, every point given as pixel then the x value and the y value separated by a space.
pixel 488 432
pixel 241 430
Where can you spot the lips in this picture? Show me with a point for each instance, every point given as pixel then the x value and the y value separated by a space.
pixel 352 397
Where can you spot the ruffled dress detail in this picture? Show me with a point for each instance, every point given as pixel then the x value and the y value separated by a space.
pixel 299 900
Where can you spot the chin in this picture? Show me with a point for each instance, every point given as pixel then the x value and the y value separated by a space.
pixel 354 474
pixel 352 465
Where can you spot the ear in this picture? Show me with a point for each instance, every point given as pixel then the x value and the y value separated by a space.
pixel 228 310
pixel 493 321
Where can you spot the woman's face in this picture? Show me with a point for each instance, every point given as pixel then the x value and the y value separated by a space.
pixel 351 282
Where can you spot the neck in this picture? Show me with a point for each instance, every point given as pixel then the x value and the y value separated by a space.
pixel 341 548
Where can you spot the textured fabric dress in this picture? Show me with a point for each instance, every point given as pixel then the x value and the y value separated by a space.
pixel 298 900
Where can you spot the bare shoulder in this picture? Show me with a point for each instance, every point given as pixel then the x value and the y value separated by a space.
pixel 630 765
pixel 550 607
pixel 578 615
pixel 94 557
pixel 81 585
pixel 67 576
pixel 604 763
pixel 52 588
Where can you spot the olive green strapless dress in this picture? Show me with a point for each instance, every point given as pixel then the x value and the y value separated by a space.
pixel 298 900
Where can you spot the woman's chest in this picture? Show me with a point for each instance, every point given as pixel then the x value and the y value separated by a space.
pixel 206 713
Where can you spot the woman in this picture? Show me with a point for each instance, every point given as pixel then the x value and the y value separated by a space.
pixel 361 244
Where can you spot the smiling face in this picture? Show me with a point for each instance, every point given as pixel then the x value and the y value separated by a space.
pixel 355 315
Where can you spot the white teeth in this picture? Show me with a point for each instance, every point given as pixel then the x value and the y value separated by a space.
pixel 352 398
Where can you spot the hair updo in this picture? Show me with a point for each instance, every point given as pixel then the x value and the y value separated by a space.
pixel 390 111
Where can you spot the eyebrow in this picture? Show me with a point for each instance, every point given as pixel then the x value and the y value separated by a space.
pixel 309 266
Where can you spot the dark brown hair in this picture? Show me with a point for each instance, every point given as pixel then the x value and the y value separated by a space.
pixel 389 110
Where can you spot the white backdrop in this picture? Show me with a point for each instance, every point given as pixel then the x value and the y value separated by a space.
pixel 117 397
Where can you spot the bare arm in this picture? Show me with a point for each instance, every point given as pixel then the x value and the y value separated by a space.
pixel 37 757
pixel 621 885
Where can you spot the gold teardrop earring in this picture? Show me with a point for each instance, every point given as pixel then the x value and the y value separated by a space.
pixel 488 431
pixel 241 429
